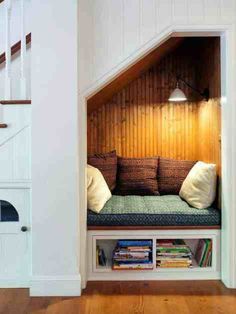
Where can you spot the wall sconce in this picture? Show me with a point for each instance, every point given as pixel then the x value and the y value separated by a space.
pixel 178 95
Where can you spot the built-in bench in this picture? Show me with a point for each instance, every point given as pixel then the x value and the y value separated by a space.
pixel 145 212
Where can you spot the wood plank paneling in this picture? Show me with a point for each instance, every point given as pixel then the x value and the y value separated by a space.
pixel 138 121
pixel 133 72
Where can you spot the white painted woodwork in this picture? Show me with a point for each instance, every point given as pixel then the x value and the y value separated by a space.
pixel 180 11
pixel 148 19
pixel 15 184
pixel 16 77
pixel 55 224
pixel 7 50
pixel 15 73
pixel 109 238
pixel 15 244
pixel 196 11
pixel 132 19
pixel 113 31
pixel 15 148
pixel 23 51
pixel 164 14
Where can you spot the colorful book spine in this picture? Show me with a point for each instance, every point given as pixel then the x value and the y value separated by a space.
pixel 134 243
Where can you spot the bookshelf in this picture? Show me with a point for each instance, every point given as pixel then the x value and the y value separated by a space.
pixel 107 241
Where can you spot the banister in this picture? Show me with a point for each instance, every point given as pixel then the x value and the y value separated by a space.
pixel 16 47
pixel 16 102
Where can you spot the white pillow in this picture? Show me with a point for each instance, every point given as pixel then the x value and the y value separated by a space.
pixel 98 192
pixel 199 187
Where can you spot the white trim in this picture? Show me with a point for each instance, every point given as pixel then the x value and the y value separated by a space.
pixel 156 41
pixel 55 286
pixel 176 274
pixel 195 273
pixel 14 283
pixel 15 185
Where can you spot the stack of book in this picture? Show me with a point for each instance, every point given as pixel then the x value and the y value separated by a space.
pixel 133 255
pixel 173 253
pixel 203 253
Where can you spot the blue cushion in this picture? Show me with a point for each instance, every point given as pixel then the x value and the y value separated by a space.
pixel 166 210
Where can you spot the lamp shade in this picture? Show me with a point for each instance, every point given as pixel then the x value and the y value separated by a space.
pixel 177 95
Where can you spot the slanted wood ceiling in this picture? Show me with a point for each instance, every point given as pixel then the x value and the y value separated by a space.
pixel 138 120
pixel 132 73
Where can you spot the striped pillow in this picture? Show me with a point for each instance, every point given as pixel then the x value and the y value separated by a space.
pixel 137 176
pixel 107 164
pixel 172 173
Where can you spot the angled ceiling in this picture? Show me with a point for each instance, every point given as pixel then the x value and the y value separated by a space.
pixel 133 72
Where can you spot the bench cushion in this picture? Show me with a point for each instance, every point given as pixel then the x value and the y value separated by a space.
pixel 166 210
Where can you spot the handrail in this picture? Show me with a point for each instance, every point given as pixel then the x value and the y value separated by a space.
pixel 15 48
pixel 16 102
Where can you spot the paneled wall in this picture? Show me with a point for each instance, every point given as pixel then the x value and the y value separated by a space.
pixel 112 31
pixel 139 121
pixel 209 113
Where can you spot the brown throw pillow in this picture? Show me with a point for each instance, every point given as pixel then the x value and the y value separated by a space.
pixel 137 176
pixel 172 173
pixel 107 164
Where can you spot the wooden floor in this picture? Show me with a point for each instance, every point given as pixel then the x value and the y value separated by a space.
pixel 182 297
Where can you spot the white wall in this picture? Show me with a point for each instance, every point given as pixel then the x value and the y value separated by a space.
pixel 114 31
pixel 55 246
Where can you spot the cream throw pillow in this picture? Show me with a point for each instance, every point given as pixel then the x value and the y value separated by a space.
pixel 98 192
pixel 199 187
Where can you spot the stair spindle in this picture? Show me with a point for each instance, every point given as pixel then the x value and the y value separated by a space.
pixel 8 51
pixel 23 51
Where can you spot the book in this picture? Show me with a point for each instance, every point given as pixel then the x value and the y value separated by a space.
pixel 203 253
pixel 173 253
pixel 134 266
pixel 102 260
pixel 132 254
pixel 134 243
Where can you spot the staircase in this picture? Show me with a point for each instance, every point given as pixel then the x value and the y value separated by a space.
pixel 13 58
pixel 15 52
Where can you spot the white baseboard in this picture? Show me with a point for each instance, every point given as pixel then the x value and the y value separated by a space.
pixel 14 283
pixel 55 286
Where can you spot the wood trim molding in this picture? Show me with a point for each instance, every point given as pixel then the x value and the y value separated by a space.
pixel 152 227
pixel 15 48
pixel 15 102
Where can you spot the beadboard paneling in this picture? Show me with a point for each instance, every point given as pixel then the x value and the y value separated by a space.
pixel 209 113
pixel 115 30
pixel 138 121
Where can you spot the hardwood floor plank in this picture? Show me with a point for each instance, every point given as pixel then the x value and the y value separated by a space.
pixel 146 297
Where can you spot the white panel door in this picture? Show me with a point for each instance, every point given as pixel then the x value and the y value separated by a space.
pixel 14 240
